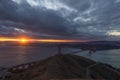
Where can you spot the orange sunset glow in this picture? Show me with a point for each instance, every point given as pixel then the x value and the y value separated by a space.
pixel 27 40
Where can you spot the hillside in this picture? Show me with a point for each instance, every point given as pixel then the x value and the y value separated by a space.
pixel 65 67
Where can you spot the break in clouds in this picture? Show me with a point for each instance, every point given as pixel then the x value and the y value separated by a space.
pixel 75 19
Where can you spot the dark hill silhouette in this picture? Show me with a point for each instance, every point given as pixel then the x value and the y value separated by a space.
pixel 65 67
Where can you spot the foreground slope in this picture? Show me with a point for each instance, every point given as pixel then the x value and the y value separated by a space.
pixel 65 67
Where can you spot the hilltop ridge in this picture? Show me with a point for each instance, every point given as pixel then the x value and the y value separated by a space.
pixel 66 67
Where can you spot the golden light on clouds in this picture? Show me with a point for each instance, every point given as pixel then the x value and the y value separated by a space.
pixel 28 40
pixel 3 39
pixel 114 33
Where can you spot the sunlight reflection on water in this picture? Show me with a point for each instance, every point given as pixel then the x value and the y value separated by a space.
pixel 13 55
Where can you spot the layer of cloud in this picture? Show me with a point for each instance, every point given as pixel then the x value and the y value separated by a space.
pixel 82 19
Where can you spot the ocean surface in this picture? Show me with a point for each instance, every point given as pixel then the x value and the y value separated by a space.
pixel 15 55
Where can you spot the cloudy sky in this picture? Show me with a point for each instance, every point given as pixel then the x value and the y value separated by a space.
pixel 75 19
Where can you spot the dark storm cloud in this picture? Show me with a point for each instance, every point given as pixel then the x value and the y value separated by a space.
pixel 84 19
pixel 37 20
